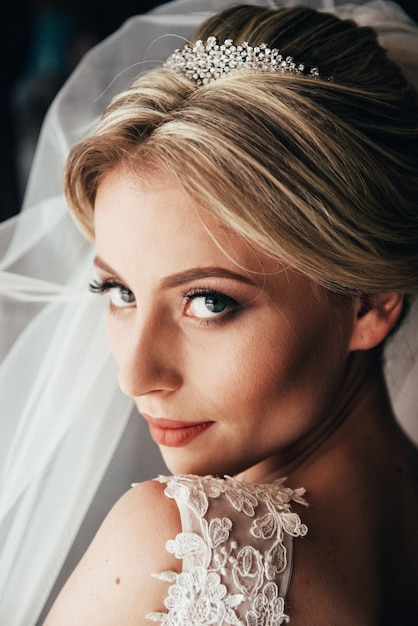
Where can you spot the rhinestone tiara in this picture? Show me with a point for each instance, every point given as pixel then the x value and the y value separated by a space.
pixel 206 61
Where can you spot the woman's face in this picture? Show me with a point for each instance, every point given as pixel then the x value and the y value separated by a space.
pixel 232 359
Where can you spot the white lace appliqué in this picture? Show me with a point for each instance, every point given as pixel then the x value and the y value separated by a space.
pixel 212 556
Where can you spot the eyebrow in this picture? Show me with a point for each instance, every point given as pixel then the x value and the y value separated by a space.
pixel 195 273
pixel 176 280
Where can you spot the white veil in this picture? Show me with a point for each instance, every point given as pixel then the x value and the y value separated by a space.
pixel 62 416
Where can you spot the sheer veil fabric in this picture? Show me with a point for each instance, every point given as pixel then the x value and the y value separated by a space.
pixel 62 414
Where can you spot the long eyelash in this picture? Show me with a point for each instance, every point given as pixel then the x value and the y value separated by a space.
pixel 201 292
pixel 100 287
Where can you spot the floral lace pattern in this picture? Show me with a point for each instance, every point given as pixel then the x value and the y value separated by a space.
pixel 224 582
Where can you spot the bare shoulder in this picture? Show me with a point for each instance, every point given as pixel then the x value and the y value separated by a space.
pixel 358 563
pixel 113 582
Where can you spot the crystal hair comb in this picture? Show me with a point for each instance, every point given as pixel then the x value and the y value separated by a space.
pixel 207 61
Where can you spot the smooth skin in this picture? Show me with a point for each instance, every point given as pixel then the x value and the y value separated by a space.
pixel 286 381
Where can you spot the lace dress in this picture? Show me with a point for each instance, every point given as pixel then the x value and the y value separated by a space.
pixel 236 548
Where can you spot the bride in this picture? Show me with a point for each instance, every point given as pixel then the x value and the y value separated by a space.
pixel 256 355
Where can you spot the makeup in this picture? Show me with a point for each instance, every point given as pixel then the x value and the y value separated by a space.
pixel 173 433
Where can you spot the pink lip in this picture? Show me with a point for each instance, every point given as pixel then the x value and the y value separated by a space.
pixel 173 433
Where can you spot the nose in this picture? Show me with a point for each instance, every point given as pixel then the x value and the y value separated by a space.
pixel 147 352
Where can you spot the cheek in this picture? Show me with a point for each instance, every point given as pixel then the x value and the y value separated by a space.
pixel 111 338
pixel 290 372
pixel 235 372
pixel 117 338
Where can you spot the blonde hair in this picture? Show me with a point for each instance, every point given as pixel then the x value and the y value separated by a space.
pixel 320 173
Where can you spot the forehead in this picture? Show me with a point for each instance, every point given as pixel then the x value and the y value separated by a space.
pixel 151 216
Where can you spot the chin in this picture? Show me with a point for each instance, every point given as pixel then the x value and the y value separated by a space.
pixel 186 463
pixel 182 466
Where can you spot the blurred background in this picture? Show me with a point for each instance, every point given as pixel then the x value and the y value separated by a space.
pixel 41 43
pixel 43 40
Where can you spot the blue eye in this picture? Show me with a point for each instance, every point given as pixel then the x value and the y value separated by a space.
pixel 119 296
pixel 207 304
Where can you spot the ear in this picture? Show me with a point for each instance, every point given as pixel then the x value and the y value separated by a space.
pixel 375 316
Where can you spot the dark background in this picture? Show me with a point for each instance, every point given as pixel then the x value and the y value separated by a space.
pixel 42 42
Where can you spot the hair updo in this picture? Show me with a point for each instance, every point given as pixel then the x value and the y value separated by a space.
pixel 320 173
